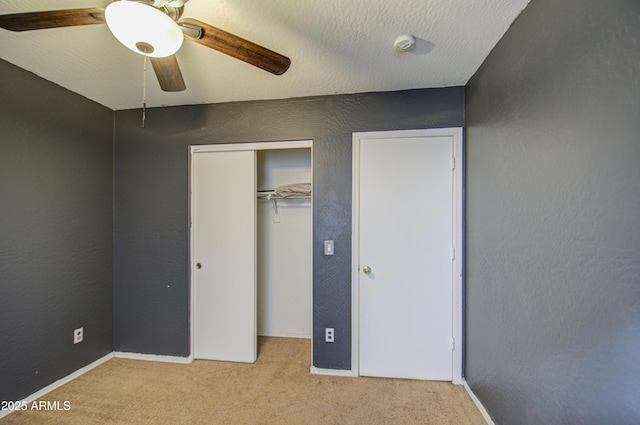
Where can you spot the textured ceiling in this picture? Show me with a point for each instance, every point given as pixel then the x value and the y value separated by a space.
pixel 335 46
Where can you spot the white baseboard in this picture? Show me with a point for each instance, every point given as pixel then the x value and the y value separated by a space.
pixel 38 394
pixel 153 357
pixel 330 372
pixel 478 404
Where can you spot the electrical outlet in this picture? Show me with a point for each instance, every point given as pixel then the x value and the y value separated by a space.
pixel 78 335
pixel 329 334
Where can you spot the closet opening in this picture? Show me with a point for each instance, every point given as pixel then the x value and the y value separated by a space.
pixel 251 247
pixel 284 243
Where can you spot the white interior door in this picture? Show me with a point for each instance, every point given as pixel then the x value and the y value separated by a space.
pixel 224 255
pixel 406 230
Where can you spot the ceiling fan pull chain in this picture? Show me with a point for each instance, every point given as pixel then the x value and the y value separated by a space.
pixel 144 90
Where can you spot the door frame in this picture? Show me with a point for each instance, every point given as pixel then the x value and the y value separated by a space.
pixel 457 253
pixel 226 147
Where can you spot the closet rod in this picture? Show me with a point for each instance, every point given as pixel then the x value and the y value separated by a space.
pixel 273 195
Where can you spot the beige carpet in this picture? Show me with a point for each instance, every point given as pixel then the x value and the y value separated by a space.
pixel 277 389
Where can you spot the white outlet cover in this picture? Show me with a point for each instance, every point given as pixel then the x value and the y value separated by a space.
pixel 78 335
pixel 329 334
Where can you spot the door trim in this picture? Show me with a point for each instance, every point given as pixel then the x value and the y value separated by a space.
pixel 458 260
pixel 252 146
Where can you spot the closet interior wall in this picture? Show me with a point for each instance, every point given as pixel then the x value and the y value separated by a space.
pixel 284 246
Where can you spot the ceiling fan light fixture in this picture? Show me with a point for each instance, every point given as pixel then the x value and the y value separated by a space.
pixel 143 28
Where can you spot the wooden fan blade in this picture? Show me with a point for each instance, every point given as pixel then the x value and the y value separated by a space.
pixel 52 19
pixel 168 73
pixel 238 48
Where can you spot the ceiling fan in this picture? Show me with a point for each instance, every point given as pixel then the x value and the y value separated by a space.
pixel 153 28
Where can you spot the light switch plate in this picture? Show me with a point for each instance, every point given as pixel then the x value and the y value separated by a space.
pixel 328 247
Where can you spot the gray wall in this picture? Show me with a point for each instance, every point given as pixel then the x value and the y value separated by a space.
pixel 152 177
pixel 56 221
pixel 553 217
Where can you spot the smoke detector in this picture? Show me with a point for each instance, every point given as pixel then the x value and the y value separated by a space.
pixel 404 43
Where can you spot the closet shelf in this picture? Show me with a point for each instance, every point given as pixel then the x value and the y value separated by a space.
pixel 288 191
pixel 270 194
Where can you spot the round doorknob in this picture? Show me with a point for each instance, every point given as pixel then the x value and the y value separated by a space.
pixel 198 266
pixel 366 269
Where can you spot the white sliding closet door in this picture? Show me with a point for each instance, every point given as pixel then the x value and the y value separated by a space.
pixel 224 255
